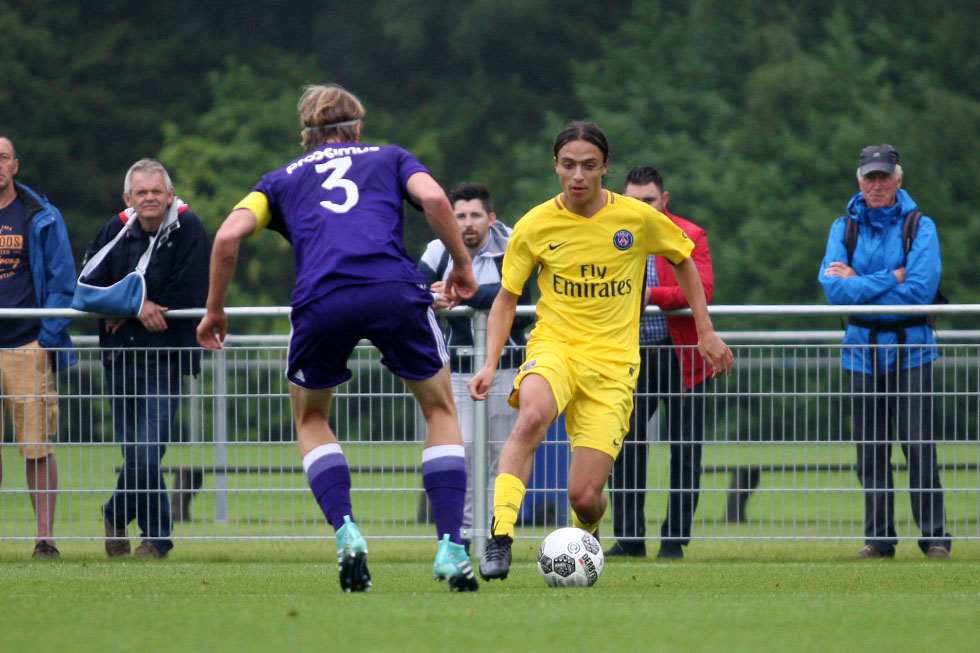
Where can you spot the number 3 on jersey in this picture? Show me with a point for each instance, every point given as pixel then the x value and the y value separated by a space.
pixel 337 168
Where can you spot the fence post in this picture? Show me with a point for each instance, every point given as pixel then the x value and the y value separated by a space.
pixel 194 390
pixel 481 518
pixel 221 436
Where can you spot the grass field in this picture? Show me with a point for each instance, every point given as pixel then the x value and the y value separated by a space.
pixel 262 596
pixel 762 589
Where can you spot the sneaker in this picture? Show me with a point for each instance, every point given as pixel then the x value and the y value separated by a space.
pixel 47 549
pixel 116 540
pixel 627 549
pixel 453 564
pixel 670 551
pixel 352 558
pixel 871 551
pixel 937 551
pixel 496 558
pixel 148 550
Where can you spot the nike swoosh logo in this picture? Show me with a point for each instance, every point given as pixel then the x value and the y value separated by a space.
pixel 553 246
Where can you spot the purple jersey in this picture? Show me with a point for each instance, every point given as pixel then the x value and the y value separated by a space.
pixel 340 206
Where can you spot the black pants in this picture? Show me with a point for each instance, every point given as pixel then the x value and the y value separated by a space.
pixel 897 405
pixel 660 380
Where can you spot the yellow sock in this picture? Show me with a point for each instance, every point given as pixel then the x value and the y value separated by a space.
pixel 588 528
pixel 508 495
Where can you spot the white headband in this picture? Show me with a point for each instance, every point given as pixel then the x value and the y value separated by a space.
pixel 332 125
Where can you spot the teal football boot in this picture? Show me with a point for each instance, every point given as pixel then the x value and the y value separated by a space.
pixel 453 564
pixel 352 558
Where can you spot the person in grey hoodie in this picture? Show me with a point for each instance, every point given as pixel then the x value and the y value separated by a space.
pixel 485 239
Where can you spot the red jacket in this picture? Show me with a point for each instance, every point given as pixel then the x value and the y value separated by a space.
pixel 668 296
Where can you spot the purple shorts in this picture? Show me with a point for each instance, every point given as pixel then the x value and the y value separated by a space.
pixel 396 317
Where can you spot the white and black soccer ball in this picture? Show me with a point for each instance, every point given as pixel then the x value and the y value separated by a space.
pixel 570 557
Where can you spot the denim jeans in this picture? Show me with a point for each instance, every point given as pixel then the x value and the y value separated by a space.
pixel 145 399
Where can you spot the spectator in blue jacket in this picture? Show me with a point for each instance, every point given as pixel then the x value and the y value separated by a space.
pixel 888 358
pixel 145 358
pixel 37 270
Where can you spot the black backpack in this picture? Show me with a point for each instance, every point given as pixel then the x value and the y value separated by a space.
pixel 910 227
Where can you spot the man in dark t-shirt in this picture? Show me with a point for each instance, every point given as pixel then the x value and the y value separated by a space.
pixel 37 270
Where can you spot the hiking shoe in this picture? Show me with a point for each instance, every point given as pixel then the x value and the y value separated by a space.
pixel 453 564
pixel 496 558
pixel 937 551
pixel 871 551
pixel 116 540
pixel 627 549
pixel 47 549
pixel 352 558
pixel 148 550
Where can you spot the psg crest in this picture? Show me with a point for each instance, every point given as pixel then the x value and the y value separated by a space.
pixel 623 239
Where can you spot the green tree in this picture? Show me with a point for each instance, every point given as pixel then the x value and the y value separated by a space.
pixel 250 128
pixel 755 112
pixel 84 92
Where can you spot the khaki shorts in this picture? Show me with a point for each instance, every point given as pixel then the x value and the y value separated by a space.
pixel 29 395
pixel 597 408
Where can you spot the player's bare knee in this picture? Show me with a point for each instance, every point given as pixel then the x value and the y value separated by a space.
pixel 527 437
pixel 585 501
pixel 580 496
pixel 309 415
pixel 438 407
pixel 533 422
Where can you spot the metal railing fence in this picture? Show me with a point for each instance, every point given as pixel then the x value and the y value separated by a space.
pixel 778 455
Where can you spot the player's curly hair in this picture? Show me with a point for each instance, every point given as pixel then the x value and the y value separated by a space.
pixel 322 105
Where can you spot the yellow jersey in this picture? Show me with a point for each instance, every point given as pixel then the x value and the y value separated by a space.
pixel 591 276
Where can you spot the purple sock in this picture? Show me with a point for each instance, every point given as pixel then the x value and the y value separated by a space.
pixel 329 477
pixel 444 478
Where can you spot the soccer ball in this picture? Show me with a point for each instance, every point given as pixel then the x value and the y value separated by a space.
pixel 570 557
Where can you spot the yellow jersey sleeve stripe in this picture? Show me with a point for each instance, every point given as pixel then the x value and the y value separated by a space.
pixel 258 204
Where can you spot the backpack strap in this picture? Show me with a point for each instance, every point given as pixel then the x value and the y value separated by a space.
pixel 443 264
pixel 910 227
pixel 850 238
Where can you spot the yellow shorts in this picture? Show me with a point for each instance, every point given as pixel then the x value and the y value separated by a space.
pixel 29 395
pixel 597 408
